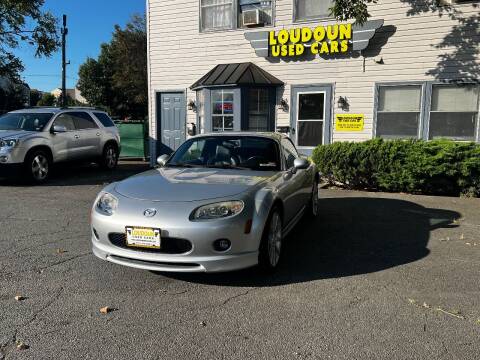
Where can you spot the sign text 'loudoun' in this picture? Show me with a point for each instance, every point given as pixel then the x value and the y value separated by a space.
pixel 330 39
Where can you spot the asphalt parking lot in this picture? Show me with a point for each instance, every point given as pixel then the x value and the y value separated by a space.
pixel 374 276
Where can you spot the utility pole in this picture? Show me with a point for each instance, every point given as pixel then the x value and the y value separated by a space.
pixel 64 61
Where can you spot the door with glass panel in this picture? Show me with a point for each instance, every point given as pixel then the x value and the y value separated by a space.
pixel 311 120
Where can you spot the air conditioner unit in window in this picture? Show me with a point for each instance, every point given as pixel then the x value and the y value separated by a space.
pixel 252 17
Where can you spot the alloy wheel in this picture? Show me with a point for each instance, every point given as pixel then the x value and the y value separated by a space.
pixel 315 199
pixel 110 157
pixel 275 239
pixel 40 167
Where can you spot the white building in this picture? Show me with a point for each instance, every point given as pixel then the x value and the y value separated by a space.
pixel 74 94
pixel 285 65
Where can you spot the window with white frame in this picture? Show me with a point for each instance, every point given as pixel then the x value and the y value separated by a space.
pixel 222 110
pixel 454 112
pixel 216 14
pixel 312 9
pixel 398 111
pixel 258 109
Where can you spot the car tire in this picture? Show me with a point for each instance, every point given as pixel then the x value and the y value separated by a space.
pixel 38 166
pixel 312 207
pixel 109 159
pixel 271 244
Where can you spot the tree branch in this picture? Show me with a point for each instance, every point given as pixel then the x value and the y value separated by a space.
pixel 17 32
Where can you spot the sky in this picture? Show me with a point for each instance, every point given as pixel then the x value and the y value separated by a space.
pixel 90 23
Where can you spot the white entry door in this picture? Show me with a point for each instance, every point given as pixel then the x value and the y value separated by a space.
pixel 311 120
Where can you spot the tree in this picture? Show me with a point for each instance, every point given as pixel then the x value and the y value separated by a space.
pixel 47 100
pixel 351 9
pixel 35 97
pixel 13 97
pixel 117 80
pixel 24 21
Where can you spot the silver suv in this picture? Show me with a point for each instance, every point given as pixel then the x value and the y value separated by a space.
pixel 32 140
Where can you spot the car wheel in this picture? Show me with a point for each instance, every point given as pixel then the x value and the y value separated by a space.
pixel 271 245
pixel 312 210
pixel 38 166
pixel 110 157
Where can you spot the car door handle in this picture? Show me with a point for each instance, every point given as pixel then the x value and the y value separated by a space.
pixel 76 137
pixel 98 134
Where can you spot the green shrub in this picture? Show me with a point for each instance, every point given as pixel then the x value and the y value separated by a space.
pixel 428 167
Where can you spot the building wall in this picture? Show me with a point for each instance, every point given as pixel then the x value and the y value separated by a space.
pixel 179 54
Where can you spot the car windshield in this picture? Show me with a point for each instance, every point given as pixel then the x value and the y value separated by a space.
pixel 24 121
pixel 230 152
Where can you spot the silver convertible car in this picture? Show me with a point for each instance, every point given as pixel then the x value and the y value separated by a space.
pixel 220 202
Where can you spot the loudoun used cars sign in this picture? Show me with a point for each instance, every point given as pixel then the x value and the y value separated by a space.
pixel 321 40
pixel 329 39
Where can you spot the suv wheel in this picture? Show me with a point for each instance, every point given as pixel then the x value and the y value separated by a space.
pixel 37 166
pixel 110 157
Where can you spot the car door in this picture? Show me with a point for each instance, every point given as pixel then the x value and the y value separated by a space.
pixel 293 181
pixel 89 134
pixel 65 145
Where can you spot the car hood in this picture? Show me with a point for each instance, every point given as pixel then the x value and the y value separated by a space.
pixel 14 134
pixel 174 184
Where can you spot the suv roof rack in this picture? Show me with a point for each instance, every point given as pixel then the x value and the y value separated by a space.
pixel 81 107
pixel 64 108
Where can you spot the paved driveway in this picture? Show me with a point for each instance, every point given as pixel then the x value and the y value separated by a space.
pixel 375 276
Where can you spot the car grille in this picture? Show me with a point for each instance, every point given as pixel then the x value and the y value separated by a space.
pixel 168 245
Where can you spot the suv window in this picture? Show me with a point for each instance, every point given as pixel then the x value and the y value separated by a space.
pixel 104 119
pixel 82 120
pixel 66 121
pixel 290 152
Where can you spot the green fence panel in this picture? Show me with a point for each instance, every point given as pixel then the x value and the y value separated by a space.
pixel 133 139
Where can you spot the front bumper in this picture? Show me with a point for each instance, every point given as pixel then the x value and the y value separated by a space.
pixel 170 263
pixel 173 221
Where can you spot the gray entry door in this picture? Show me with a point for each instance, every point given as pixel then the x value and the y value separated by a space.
pixel 171 121
pixel 311 116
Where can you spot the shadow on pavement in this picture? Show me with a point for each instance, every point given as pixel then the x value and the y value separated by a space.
pixel 351 236
pixel 71 174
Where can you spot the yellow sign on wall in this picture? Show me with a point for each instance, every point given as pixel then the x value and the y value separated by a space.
pixel 328 39
pixel 349 122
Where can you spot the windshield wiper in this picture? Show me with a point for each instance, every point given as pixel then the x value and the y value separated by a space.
pixel 227 166
pixel 182 165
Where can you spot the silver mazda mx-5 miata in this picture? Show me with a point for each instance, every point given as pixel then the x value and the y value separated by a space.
pixel 220 202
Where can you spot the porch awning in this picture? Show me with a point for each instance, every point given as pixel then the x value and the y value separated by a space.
pixel 240 74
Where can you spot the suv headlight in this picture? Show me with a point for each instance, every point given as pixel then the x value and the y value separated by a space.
pixel 8 143
pixel 219 210
pixel 107 204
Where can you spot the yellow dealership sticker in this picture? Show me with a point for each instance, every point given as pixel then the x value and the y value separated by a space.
pixel 349 122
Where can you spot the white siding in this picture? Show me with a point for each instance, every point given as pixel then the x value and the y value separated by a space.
pixel 179 54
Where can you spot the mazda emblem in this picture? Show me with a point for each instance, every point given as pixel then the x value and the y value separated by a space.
pixel 150 212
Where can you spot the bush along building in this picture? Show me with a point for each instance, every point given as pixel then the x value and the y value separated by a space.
pixel 410 71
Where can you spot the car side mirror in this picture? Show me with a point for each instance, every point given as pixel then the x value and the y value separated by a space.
pixel 162 160
pixel 55 129
pixel 301 164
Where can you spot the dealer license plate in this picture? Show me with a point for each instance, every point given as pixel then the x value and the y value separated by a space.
pixel 143 237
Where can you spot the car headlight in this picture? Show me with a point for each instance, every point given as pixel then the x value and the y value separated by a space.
pixel 107 204
pixel 219 210
pixel 8 143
